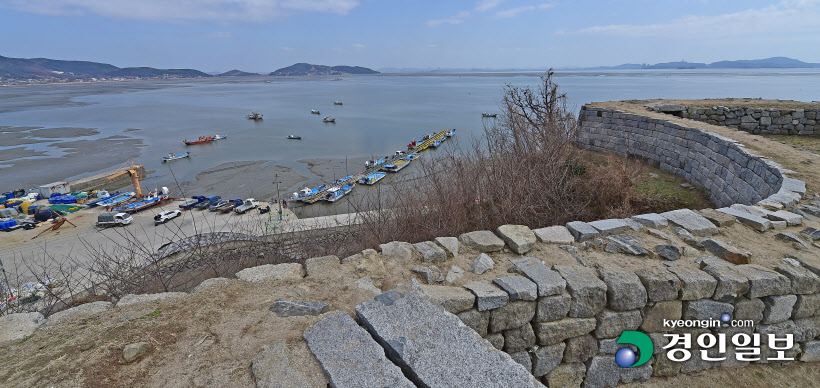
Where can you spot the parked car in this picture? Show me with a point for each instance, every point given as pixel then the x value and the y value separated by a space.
pixel 218 205
pixel 232 204
pixel 166 215
pixel 114 219
pixel 209 200
pixel 194 201
pixel 249 204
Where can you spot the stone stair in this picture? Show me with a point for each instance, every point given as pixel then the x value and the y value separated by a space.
pixel 432 348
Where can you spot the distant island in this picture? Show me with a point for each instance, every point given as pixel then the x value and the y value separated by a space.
pixel 309 69
pixel 45 70
pixel 767 63
pixel 237 73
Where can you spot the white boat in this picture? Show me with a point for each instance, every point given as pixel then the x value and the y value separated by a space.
pixel 337 103
pixel 171 157
pixel 254 116
pixel 336 193
pixel 485 114
pixel 314 111
pixel 328 119
pixel 220 137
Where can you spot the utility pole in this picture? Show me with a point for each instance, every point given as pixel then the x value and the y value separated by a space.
pixel 278 199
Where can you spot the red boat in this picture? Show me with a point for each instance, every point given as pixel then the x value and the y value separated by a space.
pixel 202 140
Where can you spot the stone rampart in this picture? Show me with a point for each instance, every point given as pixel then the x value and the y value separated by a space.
pixel 755 120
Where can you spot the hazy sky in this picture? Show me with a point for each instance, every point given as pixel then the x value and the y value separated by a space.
pixel 263 35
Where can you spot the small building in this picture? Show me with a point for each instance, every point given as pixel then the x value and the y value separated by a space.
pixel 56 187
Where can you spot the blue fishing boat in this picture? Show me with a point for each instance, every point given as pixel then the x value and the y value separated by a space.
pixel 374 163
pixel 306 192
pixel 435 143
pixel 372 178
pixel 451 132
pixel 115 199
pixel 336 193
pixel 174 157
pixel 150 200
pixel 341 180
pixel 396 166
pixel 413 156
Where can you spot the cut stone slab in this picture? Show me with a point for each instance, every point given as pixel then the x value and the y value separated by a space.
pixel 668 252
pixel 550 333
pixel 806 306
pixel 426 273
pixel 322 266
pixel 488 296
pixel 132 299
pixel 660 284
pixel 757 223
pixel 602 371
pixel 567 375
pixel 655 314
pixel 811 352
pixel 349 356
pixel 15 327
pixel 522 357
pixel 546 358
pixel 580 349
pixel 452 299
pixel 609 227
pixel 482 263
pixel 763 281
pixel 611 324
pixel 482 241
pixel 548 281
pixel 691 221
pixel 694 283
pixel 778 308
pixel 626 246
pixel 398 251
pixel 518 237
pixel 582 231
pixel 790 218
pixel 430 252
pixel 716 217
pixel 558 234
pixel 791 237
pixel 430 345
pixel 552 308
pixel 802 280
pixel 793 185
pixel 454 274
pixel 518 339
pixel 726 251
pixel 518 287
pixel 587 291
pixel 730 282
pixel 295 308
pixel 512 315
pixel 272 368
pixel 706 309
pixel 634 225
pixel 811 233
pixel 652 220
pixel 450 244
pixel 624 290
pixel 288 271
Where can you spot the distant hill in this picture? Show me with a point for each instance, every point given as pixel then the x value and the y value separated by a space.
pixel 767 63
pixel 237 73
pixel 309 69
pixel 53 68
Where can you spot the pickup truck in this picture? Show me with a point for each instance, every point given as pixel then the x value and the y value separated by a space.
pixel 114 219
pixel 232 204
pixel 209 200
pixel 194 201
pixel 249 204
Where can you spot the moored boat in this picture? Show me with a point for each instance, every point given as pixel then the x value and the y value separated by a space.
pixel 220 137
pixel 485 114
pixel 294 137
pixel 314 111
pixel 150 200
pixel 373 178
pixel 116 199
pixel 396 166
pixel 413 156
pixel 254 116
pixel 337 103
pixel 201 140
pixel 307 192
pixel 336 193
pixel 174 157
pixel 328 119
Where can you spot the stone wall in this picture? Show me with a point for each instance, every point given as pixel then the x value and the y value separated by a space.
pixel 717 165
pixel 754 120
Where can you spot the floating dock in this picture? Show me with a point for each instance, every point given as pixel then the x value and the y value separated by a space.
pixel 436 138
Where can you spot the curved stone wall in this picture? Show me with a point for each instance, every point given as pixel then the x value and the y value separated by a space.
pixel 754 120
pixel 715 164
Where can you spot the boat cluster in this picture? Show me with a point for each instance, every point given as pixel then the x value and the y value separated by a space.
pixel 202 140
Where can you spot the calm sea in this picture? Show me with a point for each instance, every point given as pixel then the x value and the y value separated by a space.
pixel 380 113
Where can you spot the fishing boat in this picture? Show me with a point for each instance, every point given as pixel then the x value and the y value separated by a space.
pixel 336 193
pixel 220 137
pixel 341 180
pixel 336 79
pixel 307 192
pixel 115 199
pixel 337 103
pixel 373 178
pixel 412 144
pixel 294 137
pixel 396 166
pixel 174 157
pixel 485 114
pixel 152 199
pixel 451 133
pixel 254 116
pixel 374 163
pixel 328 119
pixel 201 140
pixel 436 143
pixel 413 156
pixel 314 112
pixel 101 196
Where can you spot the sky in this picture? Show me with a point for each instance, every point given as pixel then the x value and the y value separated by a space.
pixel 263 35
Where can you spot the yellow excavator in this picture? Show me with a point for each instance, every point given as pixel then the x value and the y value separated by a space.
pixel 135 177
